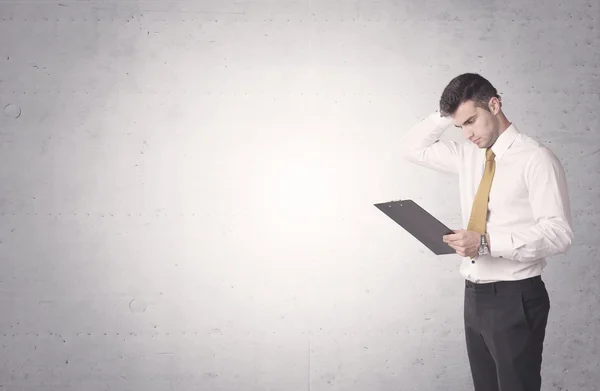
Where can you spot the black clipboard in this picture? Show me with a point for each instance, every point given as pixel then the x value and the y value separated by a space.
pixel 419 223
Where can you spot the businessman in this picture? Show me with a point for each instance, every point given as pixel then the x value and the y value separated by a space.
pixel 516 214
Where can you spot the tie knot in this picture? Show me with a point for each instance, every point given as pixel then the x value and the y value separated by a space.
pixel 489 154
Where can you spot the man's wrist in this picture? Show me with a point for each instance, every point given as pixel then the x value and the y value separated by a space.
pixel 487 239
pixel 443 121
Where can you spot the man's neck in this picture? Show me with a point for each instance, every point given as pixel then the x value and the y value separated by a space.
pixel 504 124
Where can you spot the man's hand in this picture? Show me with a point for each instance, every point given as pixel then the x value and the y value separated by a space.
pixel 464 242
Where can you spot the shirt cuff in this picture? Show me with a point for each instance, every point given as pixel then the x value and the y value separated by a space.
pixel 501 245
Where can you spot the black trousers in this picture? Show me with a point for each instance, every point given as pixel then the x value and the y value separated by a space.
pixel 505 326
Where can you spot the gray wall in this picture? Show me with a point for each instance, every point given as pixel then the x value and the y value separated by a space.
pixel 187 189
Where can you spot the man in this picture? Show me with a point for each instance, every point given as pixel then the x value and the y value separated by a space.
pixel 515 207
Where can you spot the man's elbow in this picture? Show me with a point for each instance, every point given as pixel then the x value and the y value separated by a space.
pixel 564 238
pixel 412 155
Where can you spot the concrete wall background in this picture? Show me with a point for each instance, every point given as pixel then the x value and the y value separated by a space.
pixel 186 190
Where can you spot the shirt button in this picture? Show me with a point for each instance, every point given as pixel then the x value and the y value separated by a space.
pixel 500 256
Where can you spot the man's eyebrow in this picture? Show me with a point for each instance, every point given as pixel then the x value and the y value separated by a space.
pixel 470 118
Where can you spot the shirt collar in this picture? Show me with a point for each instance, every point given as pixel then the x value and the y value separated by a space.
pixel 504 141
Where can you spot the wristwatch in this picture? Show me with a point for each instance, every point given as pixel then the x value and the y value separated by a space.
pixel 483 246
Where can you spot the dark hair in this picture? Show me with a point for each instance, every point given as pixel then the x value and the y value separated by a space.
pixel 465 87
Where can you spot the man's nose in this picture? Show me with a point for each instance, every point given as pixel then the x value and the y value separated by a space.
pixel 467 133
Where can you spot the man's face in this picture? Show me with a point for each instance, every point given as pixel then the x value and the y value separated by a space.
pixel 479 126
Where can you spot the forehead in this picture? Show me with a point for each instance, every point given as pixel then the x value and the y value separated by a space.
pixel 465 111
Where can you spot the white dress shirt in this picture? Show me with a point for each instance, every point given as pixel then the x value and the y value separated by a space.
pixel 529 215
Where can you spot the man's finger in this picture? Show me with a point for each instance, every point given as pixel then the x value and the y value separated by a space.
pixel 451 237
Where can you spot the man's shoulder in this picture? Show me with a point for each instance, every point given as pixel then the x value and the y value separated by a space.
pixel 535 153
pixel 531 146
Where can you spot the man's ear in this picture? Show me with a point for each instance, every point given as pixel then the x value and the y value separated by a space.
pixel 495 104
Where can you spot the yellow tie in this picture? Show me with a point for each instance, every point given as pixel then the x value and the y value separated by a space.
pixel 477 222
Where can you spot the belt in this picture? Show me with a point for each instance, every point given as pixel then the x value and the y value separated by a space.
pixel 503 285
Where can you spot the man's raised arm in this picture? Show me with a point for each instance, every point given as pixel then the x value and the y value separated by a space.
pixel 421 144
